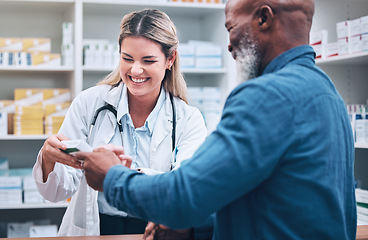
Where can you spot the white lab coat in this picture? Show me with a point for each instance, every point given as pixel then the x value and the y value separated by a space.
pixel 81 217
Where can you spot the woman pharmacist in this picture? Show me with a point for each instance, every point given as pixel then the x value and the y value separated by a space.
pixel 144 106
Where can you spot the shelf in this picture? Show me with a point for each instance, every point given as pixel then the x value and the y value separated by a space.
pixel 361 145
pixel 175 9
pixel 350 59
pixel 34 206
pixel 24 137
pixel 36 69
pixel 55 6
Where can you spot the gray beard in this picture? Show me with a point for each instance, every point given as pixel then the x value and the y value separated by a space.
pixel 246 62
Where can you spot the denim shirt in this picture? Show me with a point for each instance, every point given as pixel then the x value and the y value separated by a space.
pixel 280 164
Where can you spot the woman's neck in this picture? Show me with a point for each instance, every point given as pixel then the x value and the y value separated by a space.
pixel 140 108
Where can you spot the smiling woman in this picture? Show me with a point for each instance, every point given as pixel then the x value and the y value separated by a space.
pixel 146 95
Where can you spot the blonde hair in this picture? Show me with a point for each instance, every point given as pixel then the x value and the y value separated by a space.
pixel 155 25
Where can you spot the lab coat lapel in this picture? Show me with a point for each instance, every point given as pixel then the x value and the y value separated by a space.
pixel 105 129
pixel 161 135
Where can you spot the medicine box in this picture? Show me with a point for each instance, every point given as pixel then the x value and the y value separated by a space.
pixel 343 29
pixel 186 50
pixel 3 124
pixel 319 50
pixel 355 27
pixel 67 31
pixel 343 46
pixel 46 59
pixel 36 45
pixel 32 196
pixel 208 62
pixel 364 24
pixel 10 44
pixel 365 42
pixel 319 37
pixel 332 49
pixel 355 44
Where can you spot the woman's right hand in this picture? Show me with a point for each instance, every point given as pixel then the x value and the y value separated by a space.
pixel 51 154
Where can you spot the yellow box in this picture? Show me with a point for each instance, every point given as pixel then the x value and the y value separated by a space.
pixel 46 59
pixel 10 44
pixel 42 45
pixel 52 108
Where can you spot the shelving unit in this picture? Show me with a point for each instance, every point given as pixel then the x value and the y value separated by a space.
pixel 98 19
pixel 349 72
pixel 92 19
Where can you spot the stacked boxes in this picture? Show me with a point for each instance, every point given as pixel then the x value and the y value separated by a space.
pixel 359 122
pixel 10 190
pixel 200 54
pixel 100 53
pixel 318 40
pixel 27 52
pixel 207 100
pixel 67 46
pixel 27 113
pixel 350 35
pixel 17 186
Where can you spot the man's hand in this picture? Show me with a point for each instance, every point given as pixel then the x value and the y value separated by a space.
pixel 119 151
pixel 96 164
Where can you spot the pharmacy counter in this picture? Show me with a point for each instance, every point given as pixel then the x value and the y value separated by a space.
pixel 362 234
pixel 111 237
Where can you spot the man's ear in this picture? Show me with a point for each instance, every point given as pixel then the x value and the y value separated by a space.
pixel 265 17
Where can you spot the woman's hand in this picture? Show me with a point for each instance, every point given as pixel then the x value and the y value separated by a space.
pixel 51 154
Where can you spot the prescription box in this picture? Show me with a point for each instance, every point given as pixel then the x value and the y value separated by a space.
pixel 187 61
pixel 36 45
pixel 67 55
pixel 46 59
pixel 32 196
pixel 10 196
pixel 29 183
pixel 365 42
pixel 22 59
pixel 364 24
pixel 343 46
pixel 12 182
pixel 3 123
pixel 361 130
pixel 355 27
pixel 319 50
pixel 6 59
pixel 355 44
pixel 27 96
pixel 10 44
pixel 208 62
pixel 319 37
pixel 208 50
pixel 331 49
pixel 186 50
pixel 343 29
pixel 67 31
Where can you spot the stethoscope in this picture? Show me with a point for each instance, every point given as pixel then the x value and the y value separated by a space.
pixel 110 108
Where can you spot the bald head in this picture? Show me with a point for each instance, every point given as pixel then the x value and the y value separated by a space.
pixel 276 25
